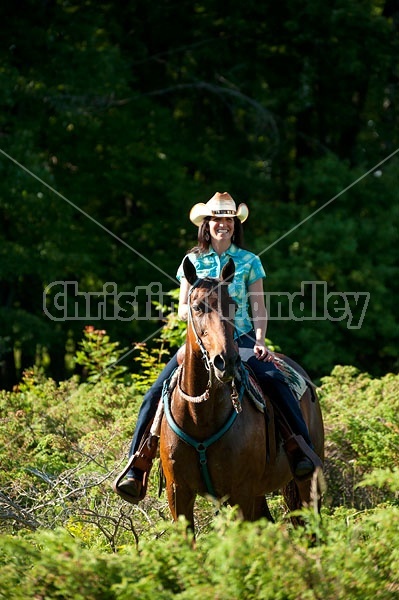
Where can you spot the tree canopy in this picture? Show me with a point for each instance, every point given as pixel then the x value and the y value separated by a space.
pixel 117 117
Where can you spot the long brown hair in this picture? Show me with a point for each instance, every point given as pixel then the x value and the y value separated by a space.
pixel 204 237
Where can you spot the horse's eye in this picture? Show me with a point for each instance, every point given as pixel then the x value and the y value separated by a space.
pixel 197 308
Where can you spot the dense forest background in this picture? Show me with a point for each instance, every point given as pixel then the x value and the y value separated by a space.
pixel 116 117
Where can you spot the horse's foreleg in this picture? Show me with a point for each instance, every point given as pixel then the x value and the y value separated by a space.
pixel 181 503
pixel 265 510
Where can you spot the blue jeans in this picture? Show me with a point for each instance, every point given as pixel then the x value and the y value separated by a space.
pixel 274 384
pixel 147 411
pixel 269 377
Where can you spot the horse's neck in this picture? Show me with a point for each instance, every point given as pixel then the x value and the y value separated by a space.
pixel 205 414
pixel 195 376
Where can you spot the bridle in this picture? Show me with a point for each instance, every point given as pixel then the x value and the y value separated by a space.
pixel 205 356
pixel 190 321
pixel 235 398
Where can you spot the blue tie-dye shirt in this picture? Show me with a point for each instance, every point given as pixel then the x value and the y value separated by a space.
pixel 248 270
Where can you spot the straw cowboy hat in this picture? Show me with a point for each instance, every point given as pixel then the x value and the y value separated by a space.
pixel 220 205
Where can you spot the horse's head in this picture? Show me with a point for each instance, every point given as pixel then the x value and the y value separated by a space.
pixel 211 319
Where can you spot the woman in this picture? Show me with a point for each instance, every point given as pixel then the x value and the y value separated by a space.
pixel 220 237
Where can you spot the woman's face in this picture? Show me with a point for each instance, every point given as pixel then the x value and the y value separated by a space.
pixel 221 228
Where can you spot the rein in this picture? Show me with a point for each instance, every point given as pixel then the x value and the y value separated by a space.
pixel 190 321
pixel 205 356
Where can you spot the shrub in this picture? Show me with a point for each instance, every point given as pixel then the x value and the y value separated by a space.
pixel 361 415
pixel 356 557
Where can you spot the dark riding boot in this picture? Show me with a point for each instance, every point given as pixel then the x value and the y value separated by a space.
pixel 131 483
pixel 294 431
pixel 301 456
pixel 135 475
pixel 297 443
pixel 130 489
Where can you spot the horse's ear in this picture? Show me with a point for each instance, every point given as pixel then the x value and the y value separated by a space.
pixel 189 271
pixel 228 271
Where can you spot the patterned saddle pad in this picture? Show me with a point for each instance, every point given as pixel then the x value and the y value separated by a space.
pixel 294 379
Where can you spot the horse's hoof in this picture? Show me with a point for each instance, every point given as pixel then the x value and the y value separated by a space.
pixel 129 489
pixel 304 469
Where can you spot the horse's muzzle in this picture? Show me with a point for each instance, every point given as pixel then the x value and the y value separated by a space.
pixel 225 367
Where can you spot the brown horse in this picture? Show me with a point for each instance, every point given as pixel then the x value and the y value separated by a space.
pixel 213 439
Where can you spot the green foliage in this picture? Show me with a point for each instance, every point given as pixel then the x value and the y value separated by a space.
pixel 172 336
pixel 283 106
pixel 64 533
pixel 383 478
pixel 77 573
pixel 174 331
pixel 100 357
pixel 356 559
pixel 362 421
pixel 151 364
pixel 60 442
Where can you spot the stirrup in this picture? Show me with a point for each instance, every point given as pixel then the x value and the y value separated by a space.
pixel 116 486
pixel 127 497
pixel 295 443
pixel 142 459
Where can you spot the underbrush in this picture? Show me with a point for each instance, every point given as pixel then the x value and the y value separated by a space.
pixel 346 555
pixel 64 533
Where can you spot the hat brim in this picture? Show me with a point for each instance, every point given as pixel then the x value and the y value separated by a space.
pixel 200 211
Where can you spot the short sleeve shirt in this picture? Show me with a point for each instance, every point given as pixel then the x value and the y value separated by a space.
pixel 248 270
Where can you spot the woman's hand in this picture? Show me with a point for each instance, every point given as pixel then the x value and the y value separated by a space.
pixel 183 312
pixel 263 353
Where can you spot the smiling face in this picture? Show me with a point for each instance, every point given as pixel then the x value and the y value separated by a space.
pixel 221 228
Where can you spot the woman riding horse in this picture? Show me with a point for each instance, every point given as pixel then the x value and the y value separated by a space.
pixel 220 238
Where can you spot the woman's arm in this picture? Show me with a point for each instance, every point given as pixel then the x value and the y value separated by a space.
pixel 183 299
pixel 259 318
